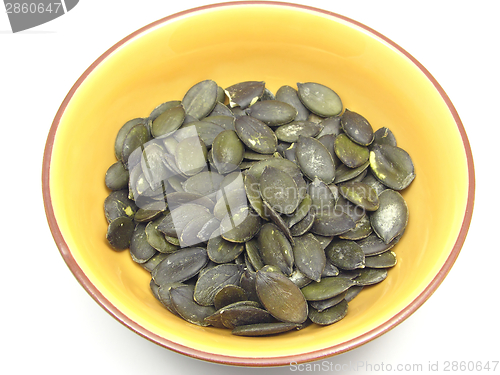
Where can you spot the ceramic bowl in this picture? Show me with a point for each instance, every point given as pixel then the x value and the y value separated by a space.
pixel 280 44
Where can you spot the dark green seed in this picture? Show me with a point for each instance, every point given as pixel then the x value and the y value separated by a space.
pixel 243 315
pixel 189 235
pixel 327 303
pixel 162 108
pixel 120 232
pixel 384 136
pixel 263 329
pixel 279 190
pixel 200 99
pixel 319 99
pixel 344 173
pixel 321 195
pixel 272 112
pixel 392 166
pixel 315 160
pixel 291 132
pixel 135 138
pixel 370 276
pixel 191 156
pixel 351 154
pixel 353 292
pixel 281 297
pixel 122 134
pixel 373 245
pixel 304 225
pixel 253 254
pixel 187 308
pixel 117 204
pixel 345 254
pixel 228 295
pixel 214 279
pixel 330 315
pixel 289 95
pixel 180 266
pixel 168 122
pixel 301 211
pixel 328 287
pixel 116 177
pixel 253 194
pixel 357 128
pixel 309 256
pixel 275 249
pixel 240 226
pixel 140 250
pixel 384 260
pixel 390 220
pixel 244 94
pixel 331 126
pixel 154 261
pixel 256 135
pixel 330 222
pixel 227 151
pixel 362 230
pixel 221 251
pixel 360 194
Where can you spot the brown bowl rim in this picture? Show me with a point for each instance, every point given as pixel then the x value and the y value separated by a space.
pixel 249 361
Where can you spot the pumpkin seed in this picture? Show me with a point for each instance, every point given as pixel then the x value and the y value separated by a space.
pixel 253 194
pixel 173 224
pixel 281 297
pixel 247 282
pixel 360 194
pixel 135 138
pixel 187 308
pixel 330 222
pixel 204 183
pixel 207 131
pixel 330 269
pixel 153 166
pixel 357 128
pixel 164 296
pixel 272 112
pixel 220 109
pixel 384 260
pixel 279 190
pixel 301 211
pixel 117 204
pixel 116 177
pixel 328 141
pixel 353 292
pixel 323 240
pixel 214 279
pixel 392 166
pixel 327 303
pixel 329 316
pixel 309 256
pixel 356 213
pixel 315 160
pixel 191 156
pixel 240 226
pixel 345 254
pixel 277 220
pixel 208 229
pixel 370 276
pixel 373 245
pixel 224 121
pixel 155 289
pixel 120 232
pixel 375 184
pixel 229 202
pixel 228 295
pixel 299 279
pixel 244 94
pixel 319 99
pixel 328 287
pixel 390 220
pixel 140 250
pixel 168 122
pixel 221 251
pixel 162 108
pixel 253 254
pixel 177 199
pixel 289 95
pixel 227 151
pixel 351 154
pixel 275 249
pixel 122 134
pixel 344 173
pixel 180 266
pixel 263 329
pixel 321 195
pixel 256 135
pixel 331 125
pixel 200 99
pixel 362 230
pixel 189 235
pixel 384 136
pixel 291 131
pixel 153 261
pixel 304 225
pixel 243 315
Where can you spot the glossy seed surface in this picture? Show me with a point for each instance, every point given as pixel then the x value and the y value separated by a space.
pixel 330 315
pixel 351 154
pixel 357 128
pixel 390 220
pixel 319 99
pixel 392 166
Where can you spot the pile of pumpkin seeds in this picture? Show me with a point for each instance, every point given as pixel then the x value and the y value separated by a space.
pixel 261 215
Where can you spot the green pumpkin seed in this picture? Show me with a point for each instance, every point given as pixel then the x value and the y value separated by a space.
pixel 281 297
pixel 168 122
pixel 204 183
pixel 253 194
pixel 173 224
pixel 207 131
pixel 220 109
pixel 214 279
pixel 272 112
pixel 344 173
pixel 304 225
pixel 351 154
pixel 243 315
pixel 357 128
pixel 373 245
pixel 267 95
pixel 327 303
pixel 384 136
pixel 330 269
pixel 255 156
pixel 309 256
pixel 370 276
pixel 279 190
pixel 291 131
pixel 247 282
pixel 177 199
pixel 224 121
pixel 321 195
pixel 227 151
pixel 392 166
pixel 140 250
pixel 120 232
pixel 362 230
pixel 241 226
pixel 263 329
pixel 328 141
pixel 283 164
pixel 301 211
pixel 384 260
pixel 345 254
pixel 228 295
pixel 153 261
pixel 330 222
pixel 329 316
pixel 289 95
pixel 135 138
pixel 331 126
pixel 162 108
pixel 153 166
pixel 277 220
pixel 189 235
pixel 328 287
pixel 356 213
pixel 319 99
pixel 256 135
pixel 375 184
pixel 221 251
pixel 390 220
pixel 275 249
pixel 116 177
pixel 208 229
pixel 180 266
pixel 229 202
pixel 156 239
pixel 360 194
pixel 155 289
pixel 191 156
pixel 299 279
pixel 244 94
pixel 253 254
pixel 353 292
pixel 314 160
pixel 323 240
pixel 187 308
pixel 150 211
pixel 164 295
pixel 122 134
pixel 117 204
pixel 200 99
pixel 238 112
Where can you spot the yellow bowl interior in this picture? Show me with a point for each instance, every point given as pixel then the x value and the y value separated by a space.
pixel 280 45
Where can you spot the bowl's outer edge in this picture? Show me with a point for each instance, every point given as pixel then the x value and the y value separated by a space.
pixel 242 361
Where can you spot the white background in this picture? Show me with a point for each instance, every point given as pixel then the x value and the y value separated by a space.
pixel 49 323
